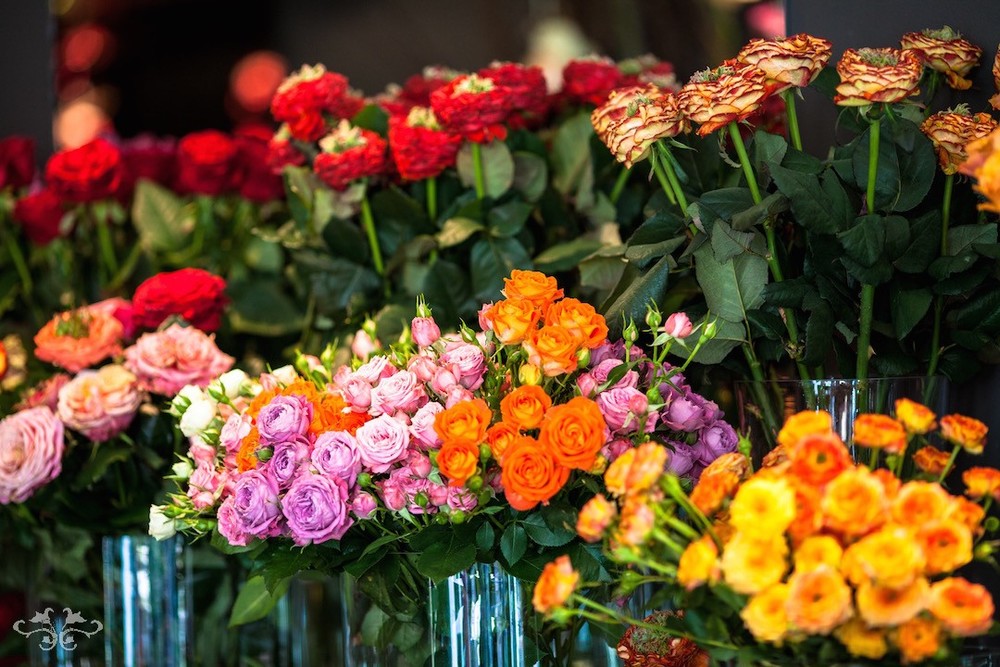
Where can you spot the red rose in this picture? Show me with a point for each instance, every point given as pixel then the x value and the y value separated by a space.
pixel 348 105
pixel 303 98
pixel 258 182
pixel 17 162
pixel 40 214
pixel 473 107
pixel 648 69
pixel 420 148
pixel 151 159
pixel 526 87
pixel 349 153
pixel 417 90
pixel 194 294
pixel 281 152
pixel 206 163
pixel 92 171
pixel 590 81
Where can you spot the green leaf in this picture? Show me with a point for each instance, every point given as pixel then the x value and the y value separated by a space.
pixel 887 179
pixel 631 303
pixel 865 241
pixel 767 149
pixel 485 537
pixel 259 307
pixel 508 219
pixel 105 455
pixel 768 208
pixel 918 164
pixel 962 239
pixel 498 167
pixel 908 308
pixel 813 202
pixel 531 175
pixel 724 203
pixel 372 117
pixel 222 545
pixel 735 286
pixel 448 292
pixel 565 256
pixel 545 535
pixel 300 184
pixel 980 313
pixel 513 543
pixel 448 556
pixel 603 269
pixel 819 334
pixel 728 243
pixel 571 160
pixel 254 601
pixel 492 260
pixel 264 256
pixel 160 217
pixel 457 230
pixel 343 286
pixel 925 233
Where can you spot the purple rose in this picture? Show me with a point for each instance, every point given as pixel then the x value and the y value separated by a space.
pixel 287 459
pixel 31 451
pixel 684 412
pixel 255 499
pixel 681 459
pixel 233 431
pixel 400 392
pixel 614 350
pixel 422 426
pixel 336 453
pixel 316 509
pixel 363 505
pixel 284 418
pixel 467 362
pixel 230 525
pixel 425 331
pixel 623 408
pixel 375 369
pixel 382 442
pixel 715 440
pixel 602 370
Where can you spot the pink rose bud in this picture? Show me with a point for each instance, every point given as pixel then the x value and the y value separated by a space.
pixel 443 381
pixel 423 367
pixel 364 345
pixel 484 321
pixel 425 331
pixel 586 383
pixel 678 326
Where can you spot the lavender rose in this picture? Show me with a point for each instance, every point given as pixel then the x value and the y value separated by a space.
pixel 715 440
pixel 382 442
pixel 256 504
pixel 685 412
pixel 31 450
pixel 681 460
pixel 336 453
pixel 287 459
pixel 316 509
pixel 400 392
pixel 284 418
pixel 231 524
pixel 624 408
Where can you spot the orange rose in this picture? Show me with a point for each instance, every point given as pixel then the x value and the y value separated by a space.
pixel 944 51
pixel 594 518
pixel 764 506
pixel 931 460
pixel 919 502
pixel 525 406
pixel 633 119
pixel 585 323
pixel 888 557
pixel 713 98
pixel 533 286
pixel 882 606
pixel 967 513
pixel 854 503
pixel 555 585
pixel 712 491
pixel 918 639
pixel 246 457
pixel 880 432
pixel 512 319
pixel 636 470
pixel 457 460
pixel 751 563
pixel 699 564
pixel 816 459
pixel 988 180
pixel 790 61
pixel 553 349
pixel 636 523
pixel 531 474
pixel 332 414
pixel 818 550
pixel 808 515
pixel 890 483
pixel 499 437
pixel 574 433
pixel 964 431
pixel 765 614
pixel 862 641
pixel 466 421
pixel 868 76
pixel 818 600
pixel 981 482
pixel 965 609
pixel 950 131
pixel 916 418
pixel 78 339
pixel 947 545
pixel 802 424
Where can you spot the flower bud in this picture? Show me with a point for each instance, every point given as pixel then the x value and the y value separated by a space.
pixel 474 483
pixel 160 526
pixel 182 469
pixel 328 357
pixel 630 581
pixel 421 499
pixel 710 330
pixel 653 316
pixel 457 516
pixel 654 396
pixel 204 525
pixel 265 454
pixel 423 310
pixel 583 357
pixel 678 325
pixel 529 374
pixel 301 364
pixel 630 333
pixel 485 453
pixel 364 480
pixel 425 331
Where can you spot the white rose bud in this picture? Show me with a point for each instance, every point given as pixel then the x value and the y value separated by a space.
pixel 160 526
pixel 285 375
pixel 182 469
pixel 197 417
pixel 232 382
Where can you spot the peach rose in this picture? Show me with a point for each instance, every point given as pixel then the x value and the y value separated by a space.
pixel 553 349
pixel 950 131
pixel 512 319
pixel 78 339
pixel 525 407
pixel 713 98
pixel 531 474
pixel 888 557
pixel 790 61
pixel 581 319
pixel 594 518
pixel 869 76
pixel 100 404
pixel 947 544
pixel 555 585
pixel 854 503
pixel 886 606
pixel 532 286
pixel 633 119
pixel 963 608
pixel 917 502
pixel 944 51
pixel 918 639
pixel 574 433
pixel 818 600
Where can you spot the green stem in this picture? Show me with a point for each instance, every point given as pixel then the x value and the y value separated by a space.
pixel 17 257
pixel 108 258
pixel 741 151
pixel 619 187
pixel 369 224
pixel 791 323
pixel 867 291
pixel 667 164
pixel 951 463
pixel 873 147
pixel 477 165
pixel 432 198
pixel 662 178
pixel 793 118
pixel 758 387
pixel 949 182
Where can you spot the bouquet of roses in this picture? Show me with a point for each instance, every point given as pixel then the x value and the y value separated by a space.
pixel 811 560
pixel 444 450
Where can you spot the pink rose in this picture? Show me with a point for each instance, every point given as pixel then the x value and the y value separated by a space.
pixel 458 394
pixel 425 331
pixel 202 486
pixel 336 453
pixel 422 426
pixel 586 384
pixel 601 371
pixel 363 505
pixel 402 392
pixel 623 408
pixel 230 524
pixel 31 450
pixel 233 431
pixel 287 460
pixel 375 369
pixel 202 452
pixel 467 362
pixel 438 494
pixel 678 326
pixel 284 418
pixel 423 366
pixel 357 392
pixel 364 345
pixel 444 379
pixel 165 361
pixel 462 499
pixel 382 442
pixel 616 448
pixel 484 321
pixel 100 404
pixel 392 494
pixel 45 393
pixel 419 463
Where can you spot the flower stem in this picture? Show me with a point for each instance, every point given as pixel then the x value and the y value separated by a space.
pixel 793 118
pixel 873 148
pixel 477 165
pixel 741 151
pixel 760 393
pixel 369 224
pixel 667 164
pixel 17 257
pixel 867 291
pixel 662 178
pixel 949 182
pixel 432 198
pixel 951 463
pixel 619 187
pixel 107 247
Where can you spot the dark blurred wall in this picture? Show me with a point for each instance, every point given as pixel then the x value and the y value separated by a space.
pixel 26 77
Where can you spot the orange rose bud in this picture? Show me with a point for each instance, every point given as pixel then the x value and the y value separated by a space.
pixel 532 286
pixel 466 421
pixel 713 98
pixel 950 131
pixel 699 564
pixel 500 437
pixel 963 608
pixel 981 482
pixel 531 474
pixel 574 433
pixel 944 51
pixel 802 424
pixel 790 61
pixel 512 319
pixel 633 119
pixel 880 432
pixel 966 432
pixel 818 458
pixel 525 406
pixel 918 639
pixel 636 523
pixel 930 459
pixel 581 319
pixel 916 418
pixel 457 460
pixel 594 518
pixel 555 585
pixel 869 76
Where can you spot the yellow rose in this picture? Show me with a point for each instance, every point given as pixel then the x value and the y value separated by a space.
pixel 751 563
pixel 764 506
pixel 765 616
pixel 817 550
pixel 862 641
pixel 889 557
pixel 699 564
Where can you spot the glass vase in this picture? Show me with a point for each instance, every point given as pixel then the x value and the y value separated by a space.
pixel 145 605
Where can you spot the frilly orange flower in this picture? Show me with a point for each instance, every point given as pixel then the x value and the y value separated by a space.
pixel 802 424
pixel 78 339
pixel 594 518
pixel 713 98
pixel 947 545
pixel 751 563
pixel 930 459
pixel 818 458
pixel 919 502
pixel 944 51
pixel 915 417
pixel 968 433
pixel 818 600
pixel 633 119
pixel 884 606
pixel 868 76
pixel 918 639
pixel 951 131
pixel 765 614
pixel 636 470
pixel 790 61
pixel 965 609
pixel 246 457
pixel 862 641
pixel 880 432
pixel 854 503
pixel 699 564
pixel 981 482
